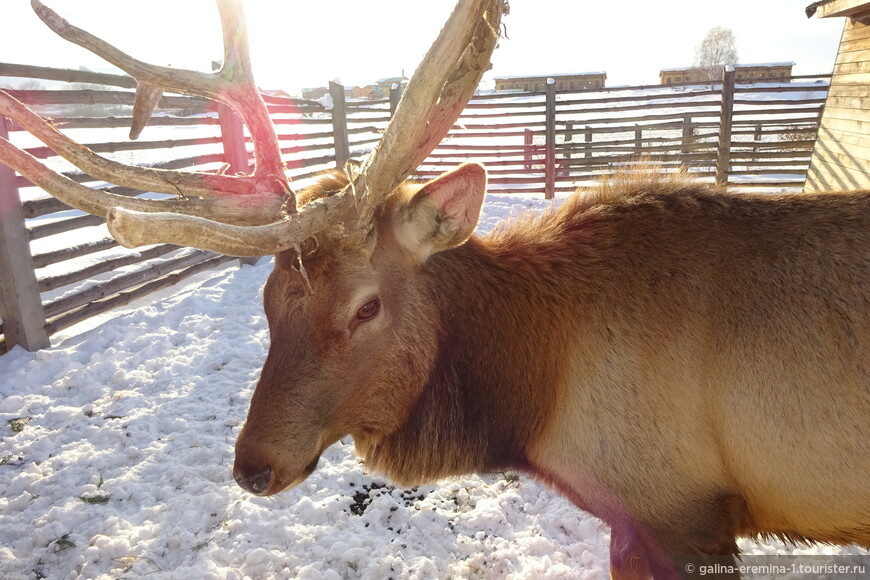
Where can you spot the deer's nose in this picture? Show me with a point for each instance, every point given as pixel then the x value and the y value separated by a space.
pixel 254 481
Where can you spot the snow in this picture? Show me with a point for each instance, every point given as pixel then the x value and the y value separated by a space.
pixel 120 466
pixel 753 64
pixel 742 65
pixel 557 75
pixel 327 102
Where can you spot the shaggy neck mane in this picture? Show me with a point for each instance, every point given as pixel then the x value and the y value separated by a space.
pixel 500 301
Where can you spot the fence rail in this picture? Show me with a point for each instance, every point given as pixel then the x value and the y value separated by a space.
pixel 58 266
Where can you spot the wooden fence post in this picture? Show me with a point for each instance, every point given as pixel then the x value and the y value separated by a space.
pixel 569 138
pixel 528 144
pixel 723 157
pixel 688 134
pixel 638 140
pixel 233 139
pixel 587 137
pixel 550 163
pixel 20 302
pixel 339 124
pixel 395 97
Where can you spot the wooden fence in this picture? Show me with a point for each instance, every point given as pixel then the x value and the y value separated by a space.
pixel 744 136
pixel 59 267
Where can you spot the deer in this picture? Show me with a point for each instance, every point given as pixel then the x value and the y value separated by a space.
pixel 687 364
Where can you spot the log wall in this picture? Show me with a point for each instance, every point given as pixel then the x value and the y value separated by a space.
pixel 841 159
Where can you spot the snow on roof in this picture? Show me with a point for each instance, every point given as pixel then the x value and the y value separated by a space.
pixel 390 80
pixel 535 76
pixel 746 65
pixel 764 64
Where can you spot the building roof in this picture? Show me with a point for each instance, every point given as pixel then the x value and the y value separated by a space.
pixel 274 93
pixel 555 76
pixel 828 8
pixel 678 69
pixel 746 65
pixel 752 64
pixel 390 80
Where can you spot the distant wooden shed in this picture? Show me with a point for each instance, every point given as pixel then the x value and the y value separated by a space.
pixel 564 82
pixel 841 157
pixel 743 73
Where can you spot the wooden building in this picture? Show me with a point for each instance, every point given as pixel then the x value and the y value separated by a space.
pixel 564 82
pixel 673 76
pixel 762 72
pixel 370 92
pixel 743 73
pixel 841 157
pixel 314 93
pixel 383 86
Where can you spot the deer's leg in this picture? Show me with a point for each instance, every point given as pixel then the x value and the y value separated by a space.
pixel 628 556
pixel 704 536
pixel 700 534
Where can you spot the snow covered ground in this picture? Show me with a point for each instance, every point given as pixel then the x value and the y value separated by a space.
pixel 116 447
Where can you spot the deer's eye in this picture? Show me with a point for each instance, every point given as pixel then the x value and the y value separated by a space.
pixel 368 310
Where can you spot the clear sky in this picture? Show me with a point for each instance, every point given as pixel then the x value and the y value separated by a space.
pixel 303 43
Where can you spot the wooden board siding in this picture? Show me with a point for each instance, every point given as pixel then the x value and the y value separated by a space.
pixel 841 159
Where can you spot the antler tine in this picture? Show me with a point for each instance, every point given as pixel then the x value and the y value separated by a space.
pixel 254 209
pixel 436 94
pixel 233 85
pixel 234 28
pixel 133 229
pixel 241 93
pixel 190 184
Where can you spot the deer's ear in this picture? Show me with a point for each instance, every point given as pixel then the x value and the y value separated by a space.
pixel 443 213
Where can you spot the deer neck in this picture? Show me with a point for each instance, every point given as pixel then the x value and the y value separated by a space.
pixel 494 381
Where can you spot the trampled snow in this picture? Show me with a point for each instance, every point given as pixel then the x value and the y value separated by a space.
pixel 116 447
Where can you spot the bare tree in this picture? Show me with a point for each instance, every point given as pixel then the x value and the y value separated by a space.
pixel 26 85
pixel 31 85
pixel 717 50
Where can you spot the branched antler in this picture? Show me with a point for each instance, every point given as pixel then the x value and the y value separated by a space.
pixel 254 215
pixel 233 85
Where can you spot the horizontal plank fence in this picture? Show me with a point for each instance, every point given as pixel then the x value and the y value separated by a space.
pixel 59 266
pixel 762 137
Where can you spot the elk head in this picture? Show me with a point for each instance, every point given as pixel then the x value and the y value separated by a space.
pixel 347 250
pixel 362 328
